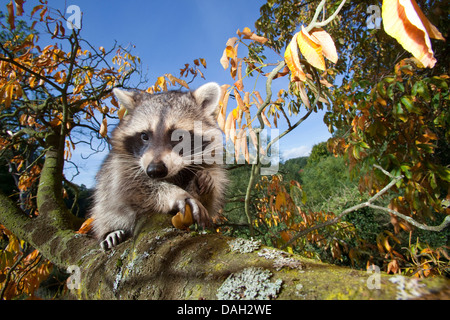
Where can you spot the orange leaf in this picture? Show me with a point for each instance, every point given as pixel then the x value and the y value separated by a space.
pixel 104 128
pixel 404 21
pixel 248 34
pixel 228 52
pixel 393 267
pixel 293 61
pixel 181 221
pixel 86 226
pixel 310 49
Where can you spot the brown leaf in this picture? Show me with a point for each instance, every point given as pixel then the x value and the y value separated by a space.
pixel 404 21
pixel 104 128
pixel 248 34
pixel 11 17
pixel 19 6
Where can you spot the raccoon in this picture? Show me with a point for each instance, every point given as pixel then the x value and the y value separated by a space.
pixel 166 154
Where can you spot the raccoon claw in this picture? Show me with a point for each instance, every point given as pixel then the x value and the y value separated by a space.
pixel 199 213
pixel 112 239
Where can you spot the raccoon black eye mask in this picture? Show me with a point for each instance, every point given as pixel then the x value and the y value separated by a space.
pixel 160 161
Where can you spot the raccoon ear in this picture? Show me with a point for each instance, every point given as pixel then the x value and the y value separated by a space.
pixel 126 98
pixel 207 96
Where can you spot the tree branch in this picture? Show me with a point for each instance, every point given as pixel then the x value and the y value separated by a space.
pixel 255 167
pixel 369 203
pixel 314 24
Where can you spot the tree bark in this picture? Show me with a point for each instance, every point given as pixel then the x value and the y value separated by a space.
pixel 161 262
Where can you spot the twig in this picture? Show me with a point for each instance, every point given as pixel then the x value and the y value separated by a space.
pixel 257 165
pixel 314 24
pixel 369 204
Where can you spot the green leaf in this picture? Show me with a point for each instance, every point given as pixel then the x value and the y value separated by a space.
pixel 421 89
pixel 407 102
pixel 406 170
pixel 364 145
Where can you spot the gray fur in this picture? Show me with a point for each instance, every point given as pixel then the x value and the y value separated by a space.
pixel 125 193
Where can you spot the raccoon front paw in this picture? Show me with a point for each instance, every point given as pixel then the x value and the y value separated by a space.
pixel 199 212
pixel 205 184
pixel 112 239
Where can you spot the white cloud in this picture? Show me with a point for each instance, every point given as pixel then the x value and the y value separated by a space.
pixel 302 151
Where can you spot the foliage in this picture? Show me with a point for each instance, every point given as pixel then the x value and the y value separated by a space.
pixel 386 110
pixel 22 269
pixel 53 98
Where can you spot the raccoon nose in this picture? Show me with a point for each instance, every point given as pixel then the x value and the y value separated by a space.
pixel 157 170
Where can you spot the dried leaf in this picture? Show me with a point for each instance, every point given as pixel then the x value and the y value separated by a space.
pixel 310 49
pixel 248 34
pixel 327 43
pixel 104 128
pixel 293 62
pixel 183 221
pixel 227 52
pixel 404 21
pixel 19 6
pixel 11 17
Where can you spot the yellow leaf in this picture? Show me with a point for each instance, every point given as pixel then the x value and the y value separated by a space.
pixel 310 49
pixel 327 43
pixel 293 61
pixel 404 21
pixel 227 52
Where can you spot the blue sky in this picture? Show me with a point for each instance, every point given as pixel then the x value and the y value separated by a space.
pixel 166 35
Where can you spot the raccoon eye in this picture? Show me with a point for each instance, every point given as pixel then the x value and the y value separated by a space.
pixel 144 136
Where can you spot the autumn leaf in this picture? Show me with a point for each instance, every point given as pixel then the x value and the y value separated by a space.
pixel 248 34
pixel 293 61
pixel 86 226
pixel 229 52
pixel 183 221
pixel 326 42
pixel 223 103
pixel 104 128
pixel 311 49
pixel 174 80
pixel 11 17
pixel 404 21
pixel 19 6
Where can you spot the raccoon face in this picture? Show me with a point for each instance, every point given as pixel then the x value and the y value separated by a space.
pixel 168 132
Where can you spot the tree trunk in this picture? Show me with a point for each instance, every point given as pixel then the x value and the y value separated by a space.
pixel 161 262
